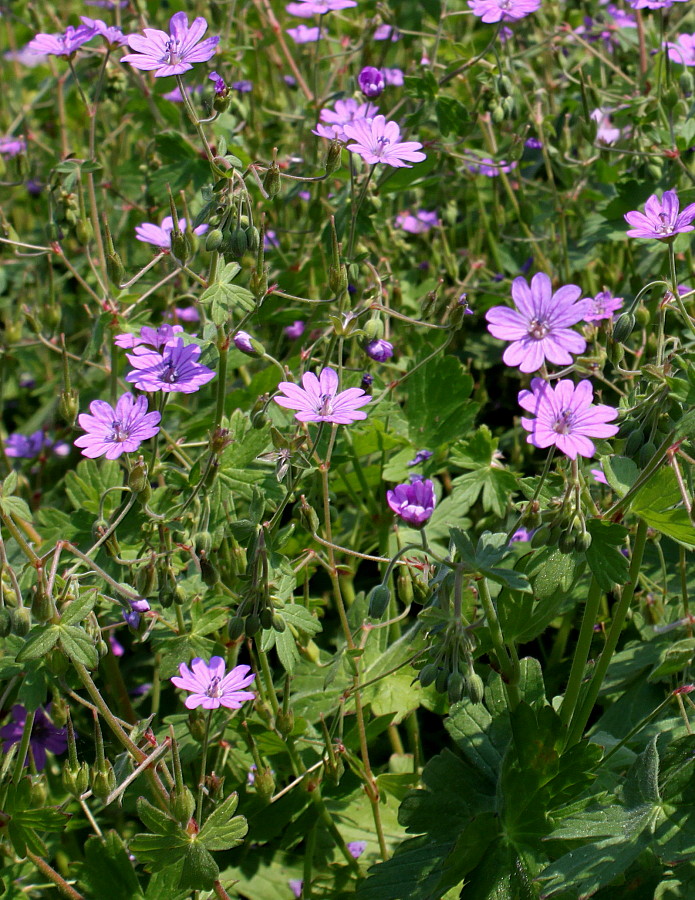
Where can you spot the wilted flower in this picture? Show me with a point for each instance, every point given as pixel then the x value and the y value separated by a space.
pixel 661 219
pixel 413 501
pixel 419 223
pixel 111 432
pixel 318 399
pixel 132 616
pixel 683 50
pixel 503 10
pixel 210 687
pixel 177 369
pixel 172 53
pixel 345 113
pixel 308 8
pixel 490 167
pixel 540 326
pixel 220 86
pixel 379 141
pixel 160 235
pixel 44 735
pixel 371 82
pixel 61 44
pixel 295 330
pixel 566 417
pixel 603 306
pixel 379 350
pixel 420 457
pixel 305 34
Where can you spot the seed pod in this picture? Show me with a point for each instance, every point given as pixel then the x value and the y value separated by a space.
pixel 404 583
pixel 624 327
pixel 475 688
pixel 379 598
pixel 137 478
pixel 181 248
pixel 76 779
pixel 617 352
pixel 428 674
pixel 264 783
pixel 208 572
pixel 271 181
pixel 69 405
pixel 253 625
pixel 84 231
pixel 182 804
pixel 333 154
pixel 253 237
pixel 541 537
pixel 582 542
pixel 238 245
pixel 634 442
pixel 196 724
pixel 440 681
pixel 21 621
pixel 566 542
pixel 374 329
pixel 279 623
pixel 337 279
pixel 56 661
pixel 646 454
pixel 235 628
pixel 454 687
pixel 213 240
pixel 266 617
pixel 103 780
pixel 115 269
pixel 203 542
pixel 284 722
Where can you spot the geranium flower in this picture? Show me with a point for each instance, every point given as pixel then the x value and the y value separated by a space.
pixel 172 53
pixel 379 141
pixel 210 687
pixel 112 35
pixel 503 10
pixel 305 34
pixel 318 399
pixel 393 77
pixel 20 446
pixel 661 219
pixel 176 369
pixel 345 113
pixel 111 432
pixel 12 146
pixel 379 350
pixel 603 306
pixel 150 337
pixel 371 82
pixel 566 417
pixel 490 167
pixel 160 235
pixel 413 501
pixel 65 44
pixel 653 4
pixel 295 330
pixel 683 50
pixel 44 735
pixel 419 223
pixel 540 327
pixel 308 8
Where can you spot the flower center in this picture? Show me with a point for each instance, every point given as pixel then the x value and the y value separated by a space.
pixel 213 689
pixel 504 4
pixel 169 373
pixel 665 227
pixel 118 432
pixel 563 423
pixel 538 330
pixel 171 53
pixel 326 407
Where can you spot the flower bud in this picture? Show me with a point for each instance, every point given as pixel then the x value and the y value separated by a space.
pixel 137 477
pixel 474 687
pixel 253 237
pixel 624 327
pixel 284 722
pixel 69 405
pixel 566 542
pixel 249 345
pixel 333 154
pixel 278 623
pixel 264 783
pixel 428 674
pixel 646 454
pixel 440 681
pixel 582 542
pixel 76 780
pixel 103 780
pixel 617 352
pixel 634 442
pixel 374 329
pixel 56 662
pixel 181 248
pixel 266 617
pixel 379 598
pixel 252 625
pixel 271 180
pixel 642 316
pixel 213 240
pixel 41 604
pixel 21 621
pixel 196 724
pixel 182 805
pixel 235 628
pixel 84 231
pixel 454 687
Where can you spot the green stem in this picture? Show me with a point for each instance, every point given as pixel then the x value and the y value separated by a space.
pixel 581 716
pixel 203 764
pixel 504 661
pixel 49 872
pixel 581 653
pixel 23 747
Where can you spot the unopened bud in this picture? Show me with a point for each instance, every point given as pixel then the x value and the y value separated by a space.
pixel 103 780
pixel 624 327
pixel 84 231
pixel 76 779
pixel 182 804
pixel 115 269
pixel 137 478
pixel 213 240
pixel 21 621
pixel 264 782
pixel 284 722
pixel 271 181
pixel 333 154
pixel 379 598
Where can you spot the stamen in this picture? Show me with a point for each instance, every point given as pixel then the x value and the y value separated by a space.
pixel 213 689
pixel 538 330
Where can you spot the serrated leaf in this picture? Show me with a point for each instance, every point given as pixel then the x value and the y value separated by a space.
pixel 158 850
pixel 223 830
pixel 15 506
pixel 660 504
pixel 199 868
pixel 607 564
pixel 300 617
pixel 154 819
pixel 78 646
pixel 79 609
pixel 39 641
pixel 107 869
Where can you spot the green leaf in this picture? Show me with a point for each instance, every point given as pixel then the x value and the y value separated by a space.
pixel 221 831
pixel 108 871
pixel 438 409
pixel 608 565
pixel 158 850
pixel 39 641
pixel 452 116
pixel 199 868
pixel 301 619
pixel 674 658
pixel 155 819
pixel 15 506
pixel 621 473
pixel 660 504
pixel 79 609
pixel 78 646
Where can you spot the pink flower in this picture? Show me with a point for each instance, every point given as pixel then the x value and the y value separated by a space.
pixel 304 34
pixel 653 4
pixel 419 223
pixel 540 327
pixel 346 112
pixel 661 219
pixel 503 10
pixel 65 44
pixel 379 141
pixel 210 687
pixel 683 51
pixel 603 306
pixel 413 501
pixel 566 417
pixel 160 235
pixel 111 432
pixel 490 167
pixel 318 399
pixel 308 8
pixel 173 53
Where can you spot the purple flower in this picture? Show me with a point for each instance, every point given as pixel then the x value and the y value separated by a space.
pixel 521 534
pixel 296 886
pixel 175 96
pixel 295 330
pixel 504 34
pixel 12 146
pixel 393 77
pixel 160 235
pixel 177 369
pixel 346 112
pixel 116 647
pixel 112 35
pixel 44 735
pixel 210 687
pixel 603 306
pixel 540 326
pixel 19 446
pixel 308 8
pixel 304 34
pixel 653 4
pixel 61 44
pixel 244 87
pixel 371 82
pixel 242 341
pixel 318 399
pixel 172 53
pixel 271 240
pixel 503 10
pixel 187 314
pixel 565 417
pixel 367 381
pixel 606 132
pixel 599 475
pixel 621 18
pixel 661 219
pixel 111 432
pixel 132 616
pixel 420 457
pixel 533 143
pixel 220 86
pixel 150 337
pixel 385 33
pixel 489 167
pixel 379 350
pixel 413 501
pixel 357 848
pixel 419 223
pixel 379 141
pixel 107 4
pixel 683 51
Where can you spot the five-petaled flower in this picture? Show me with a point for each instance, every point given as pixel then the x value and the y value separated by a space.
pixel 345 112
pixel 603 306
pixel 65 44
pixel 111 432
pixel 318 399
pixel 44 735
pixel 566 417
pixel 308 8
pixel 172 53
pixel 379 141
pixel 540 326
pixel 176 369
pixel 210 687
pixel 160 235
pixel 683 50
pixel 413 501
pixel 503 10
pixel 151 337
pixel 661 219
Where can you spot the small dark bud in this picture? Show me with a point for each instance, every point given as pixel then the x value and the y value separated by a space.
pixel 235 628
pixel 428 674
pixel 454 687
pixel 474 687
pixel 624 327
pixel 253 624
pixel 266 617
